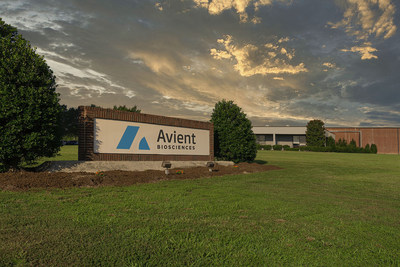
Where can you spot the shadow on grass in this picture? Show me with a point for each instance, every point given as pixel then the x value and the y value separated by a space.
pixel 38 168
pixel 259 161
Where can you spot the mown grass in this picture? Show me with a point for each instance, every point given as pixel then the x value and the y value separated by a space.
pixel 322 209
pixel 69 152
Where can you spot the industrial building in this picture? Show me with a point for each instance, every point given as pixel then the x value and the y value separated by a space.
pixel 387 139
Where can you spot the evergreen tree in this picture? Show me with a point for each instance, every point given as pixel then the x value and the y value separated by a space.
pixel 353 143
pixel 367 148
pixel 233 136
pixel 315 133
pixel 374 149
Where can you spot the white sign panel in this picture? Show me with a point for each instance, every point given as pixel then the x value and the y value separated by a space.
pixel 123 137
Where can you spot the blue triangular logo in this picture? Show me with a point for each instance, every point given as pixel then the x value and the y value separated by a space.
pixel 143 145
pixel 128 137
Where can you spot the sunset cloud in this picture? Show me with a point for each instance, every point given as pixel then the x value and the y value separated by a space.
pixel 329 65
pixel 156 62
pixel 251 60
pixel 216 7
pixel 365 51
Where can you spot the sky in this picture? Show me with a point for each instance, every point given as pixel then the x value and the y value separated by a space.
pixel 284 62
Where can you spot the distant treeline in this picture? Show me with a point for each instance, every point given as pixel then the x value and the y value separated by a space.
pixel 70 118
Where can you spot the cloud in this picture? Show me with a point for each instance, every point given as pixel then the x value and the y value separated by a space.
pixel 252 60
pixel 380 116
pixel 365 51
pixel 30 17
pixel 165 57
pixel 74 73
pixel 364 18
pixel 216 7
pixel 367 20
pixel 158 6
pixel 157 62
pixel 329 66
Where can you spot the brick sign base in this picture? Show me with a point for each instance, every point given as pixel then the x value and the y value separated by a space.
pixel 86 135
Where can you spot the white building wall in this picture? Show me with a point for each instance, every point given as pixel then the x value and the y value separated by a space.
pixel 275 131
pixel 293 130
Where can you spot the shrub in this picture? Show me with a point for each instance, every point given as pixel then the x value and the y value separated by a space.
pixel 341 143
pixel 353 143
pixel 341 147
pixel 264 147
pixel 361 150
pixel 374 149
pixel 322 149
pixel 233 136
pixel 315 148
pixel 330 141
pixel 29 105
pixel 367 149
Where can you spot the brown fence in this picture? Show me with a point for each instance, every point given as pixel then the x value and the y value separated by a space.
pixel 86 135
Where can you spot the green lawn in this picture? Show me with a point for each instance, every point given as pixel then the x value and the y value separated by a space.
pixel 66 153
pixel 322 209
pixel 69 152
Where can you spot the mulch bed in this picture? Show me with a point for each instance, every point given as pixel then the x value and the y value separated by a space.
pixel 27 180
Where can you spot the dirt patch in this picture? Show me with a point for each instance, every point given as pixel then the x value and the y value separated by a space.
pixel 25 180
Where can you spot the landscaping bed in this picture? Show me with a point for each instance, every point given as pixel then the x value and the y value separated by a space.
pixel 26 180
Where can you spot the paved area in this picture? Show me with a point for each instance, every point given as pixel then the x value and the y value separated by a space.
pixel 94 166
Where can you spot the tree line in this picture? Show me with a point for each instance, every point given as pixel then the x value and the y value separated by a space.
pixel 70 117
